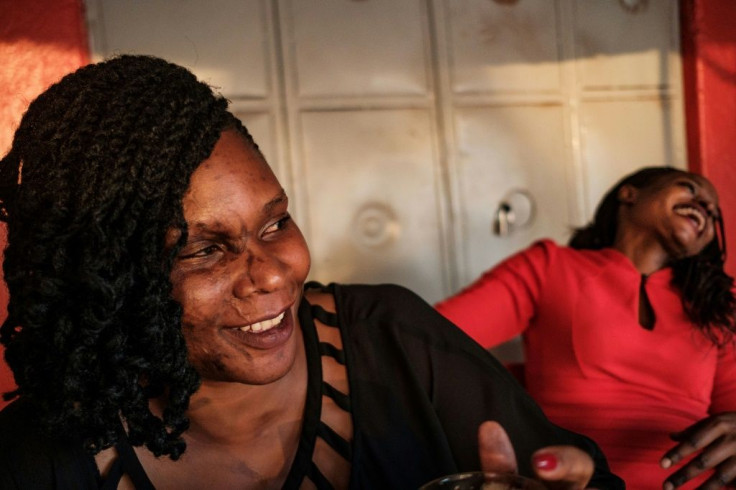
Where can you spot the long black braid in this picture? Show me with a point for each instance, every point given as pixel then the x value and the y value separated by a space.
pixel 93 181
pixel 707 291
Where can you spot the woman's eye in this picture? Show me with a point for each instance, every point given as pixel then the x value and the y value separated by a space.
pixel 278 225
pixel 201 252
pixel 689 185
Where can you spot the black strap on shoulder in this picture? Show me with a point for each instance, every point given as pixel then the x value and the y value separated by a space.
pixel 113 476
pixel 326 349
pixel 318 478
pixel 335 440
pixel 131 465
pixel 324 316
pixel 342 400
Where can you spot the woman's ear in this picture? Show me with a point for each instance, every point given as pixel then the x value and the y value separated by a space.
pixel 627 194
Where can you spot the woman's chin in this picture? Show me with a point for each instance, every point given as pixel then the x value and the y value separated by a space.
pixel 261 369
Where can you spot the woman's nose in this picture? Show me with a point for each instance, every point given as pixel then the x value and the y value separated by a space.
pixel 258 272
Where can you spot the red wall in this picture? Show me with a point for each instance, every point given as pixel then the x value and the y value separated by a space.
pixel 40 41
pixel 709 65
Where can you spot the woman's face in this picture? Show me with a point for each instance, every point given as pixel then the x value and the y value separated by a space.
pixel 679 209
pixel 239 276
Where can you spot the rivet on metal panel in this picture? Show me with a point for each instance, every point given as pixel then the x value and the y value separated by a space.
pixel 375 225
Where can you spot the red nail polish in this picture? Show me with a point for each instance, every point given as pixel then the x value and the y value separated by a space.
pixel 545 461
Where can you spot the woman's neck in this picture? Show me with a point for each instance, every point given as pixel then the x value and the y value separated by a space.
pixel 229 412
pixel 645 253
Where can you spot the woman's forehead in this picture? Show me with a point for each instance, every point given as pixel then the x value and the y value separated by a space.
pixel 702 181
pixel 680 174
pixel 699 180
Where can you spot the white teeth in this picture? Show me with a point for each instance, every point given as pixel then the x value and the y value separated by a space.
pixel 264 325
pixel 690 212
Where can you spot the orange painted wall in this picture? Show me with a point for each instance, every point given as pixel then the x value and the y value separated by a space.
pixel 40 41
pixel 709 65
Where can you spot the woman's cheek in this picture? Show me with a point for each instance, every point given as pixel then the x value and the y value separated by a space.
pixel 302 260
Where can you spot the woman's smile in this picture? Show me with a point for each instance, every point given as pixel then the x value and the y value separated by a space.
pixel 695 214
pixel 263 326
pixel 266 334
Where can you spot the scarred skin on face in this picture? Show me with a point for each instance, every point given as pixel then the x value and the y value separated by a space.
pixel 240 274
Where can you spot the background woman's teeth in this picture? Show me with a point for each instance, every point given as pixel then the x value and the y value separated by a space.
pixel 693 213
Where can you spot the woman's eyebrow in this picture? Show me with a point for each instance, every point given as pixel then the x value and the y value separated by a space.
pixel 204 231
pixel 281 198
pixel 217 230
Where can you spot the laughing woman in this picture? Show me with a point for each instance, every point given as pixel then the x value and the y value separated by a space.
pixel 161 333
pixel 628 332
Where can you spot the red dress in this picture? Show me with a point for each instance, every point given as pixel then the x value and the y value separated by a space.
pixel 589 363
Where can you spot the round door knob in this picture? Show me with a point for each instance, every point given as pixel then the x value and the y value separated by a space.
pixel 515 211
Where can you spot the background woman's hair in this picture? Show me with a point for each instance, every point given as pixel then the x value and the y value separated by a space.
pixel 707 291
pixel 93 181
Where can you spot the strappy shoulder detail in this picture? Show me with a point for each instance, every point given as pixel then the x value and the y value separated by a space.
pixel 326 317
pixel 326 349
pixel 335 440
pixel 114 475
pixel 127 463
pixel 341 399
pixel 332 458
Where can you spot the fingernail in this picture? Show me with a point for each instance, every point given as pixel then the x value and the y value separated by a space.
pixel 665 463
pixel 668 486
pixel 545 461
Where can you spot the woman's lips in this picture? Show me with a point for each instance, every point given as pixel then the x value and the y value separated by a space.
pixel 266 334
pixel 263 325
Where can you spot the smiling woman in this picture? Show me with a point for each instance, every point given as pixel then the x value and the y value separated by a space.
pixel 161 333
pixel 628 332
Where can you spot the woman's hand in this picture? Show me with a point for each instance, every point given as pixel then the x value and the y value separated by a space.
pixel 712 442
pixel 563 467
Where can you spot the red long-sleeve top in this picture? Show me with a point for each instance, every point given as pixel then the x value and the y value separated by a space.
pixel 589 363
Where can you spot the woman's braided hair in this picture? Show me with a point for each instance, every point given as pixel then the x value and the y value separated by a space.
pixel 707 291
pixel 93 181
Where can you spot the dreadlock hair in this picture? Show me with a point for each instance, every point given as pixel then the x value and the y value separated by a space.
pixel 707 291
pixel 94 179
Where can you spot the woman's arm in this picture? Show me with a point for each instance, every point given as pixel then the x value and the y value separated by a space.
pixel 499 305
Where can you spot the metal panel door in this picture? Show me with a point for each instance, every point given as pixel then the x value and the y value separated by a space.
pixel 422 141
